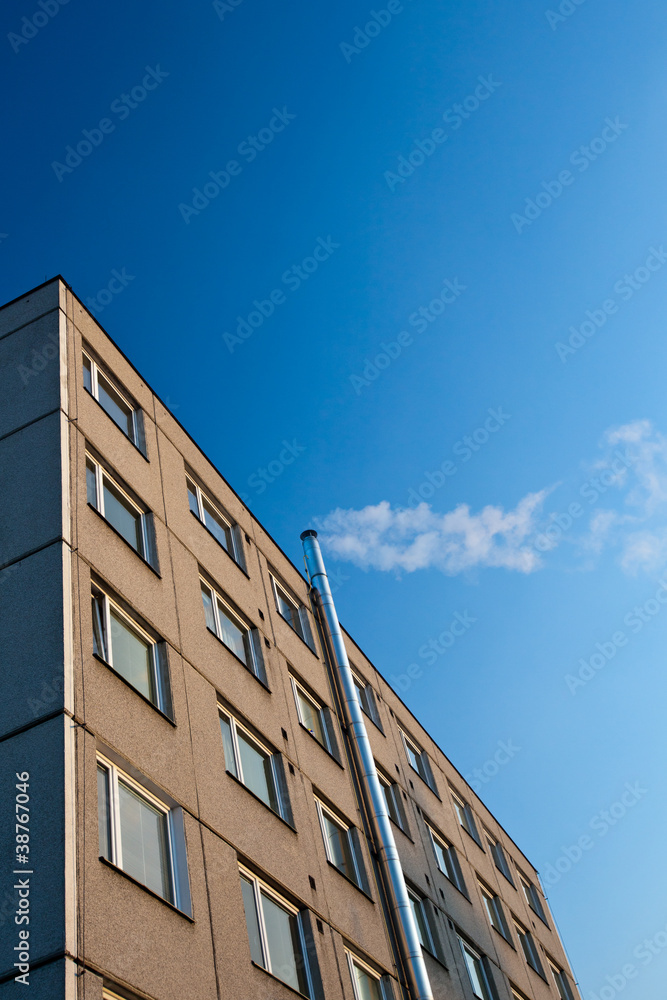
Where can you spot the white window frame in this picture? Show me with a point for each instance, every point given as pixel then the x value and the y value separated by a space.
pixel 100 474
pixel 446 848
pixel 352 960
pixel 238 764
pixel 420 754
pixel 394 791
pixel 496 849
pixel 299 689
pixel 323 810
pixel 524 934
pixel 494 911
pixel 95 370
pixel 235 549
pixel 260 886
pixel 528 889
pixel 304 633
pixel 160 682
pixel 255 668
pixel 474 953
pixel 419 901
pixel 465 816
pixel 115 842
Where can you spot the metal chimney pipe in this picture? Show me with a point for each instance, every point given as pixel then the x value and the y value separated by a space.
pixel 401 909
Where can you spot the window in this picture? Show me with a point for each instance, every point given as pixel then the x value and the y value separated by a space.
pixel 295 614
pixel 115 402
pixel 393 797
pixel 112 501
pixel 419 761
pixel 343 846
pixel 367 699
pixel 530 951
pixel 495 912
pixel 561 981
pixel 141 835
pixel 277 934
pixel 500 860
pixel 465 817
pixel 423 912
pixel 448 862
pixel 220 526
pixel 239 637
pixel 316 718
pixel 477 971
pixel 255 766
pixel 366 982
pixel 130 651
pixel 533 898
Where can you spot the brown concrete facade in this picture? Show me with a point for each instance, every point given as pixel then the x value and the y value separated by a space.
pixel 116 935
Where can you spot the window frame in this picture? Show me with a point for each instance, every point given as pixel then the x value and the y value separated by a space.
pixel 380 978
pixel 495 912
pixel 560 978
pixel 393 794
pixel 280 790
pixel 533 898
pixel 418 900
pixel 179 891
pixel 448 851
pixel 256 665
pixel 148 548
pixel 529 949
pixel 235 548
pixel 466 817
pixel 328 742
pixel 497 850
pixel 158 666
pixel 300 612
pixel 479 958
pixel 420 754
pixel 138 437
pixel 360 878
pixel 259 886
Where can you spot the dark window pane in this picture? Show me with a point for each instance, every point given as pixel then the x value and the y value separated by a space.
pixel 99 629
pixel 208 608
pixel 192 498
pixel 91 484
pixel 122 515
pixel 228 745
pixel 87 375
pixel 233 636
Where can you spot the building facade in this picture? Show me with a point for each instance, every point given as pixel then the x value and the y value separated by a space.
pixel 185 818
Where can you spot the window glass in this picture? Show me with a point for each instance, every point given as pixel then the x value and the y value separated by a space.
pixel 476 973
pixel 338 846
pixel 366 986
pixel 91 484
pixel 192 498
pixel 228 745
pixel 114 405
pixel 417 906
pixel 125 518
pixel 390 791
pixel 87 374
pixel 500 859
pixel 254 937
pixel 144 841
pixel 215 524
pixel 282 938
pixel 209 613
pixel 132 656
pixel 310 715
pixel 232 635
pixel 257 770
pixel 103 811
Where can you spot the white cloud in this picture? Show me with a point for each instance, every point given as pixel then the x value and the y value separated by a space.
pixel 386 538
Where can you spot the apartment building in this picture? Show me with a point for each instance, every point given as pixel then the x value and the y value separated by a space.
pixel 190 819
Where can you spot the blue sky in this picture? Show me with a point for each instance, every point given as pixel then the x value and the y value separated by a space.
pixel 544 207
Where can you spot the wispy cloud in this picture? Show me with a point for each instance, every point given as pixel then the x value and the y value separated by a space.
pixel 387 538
pixel 629 473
